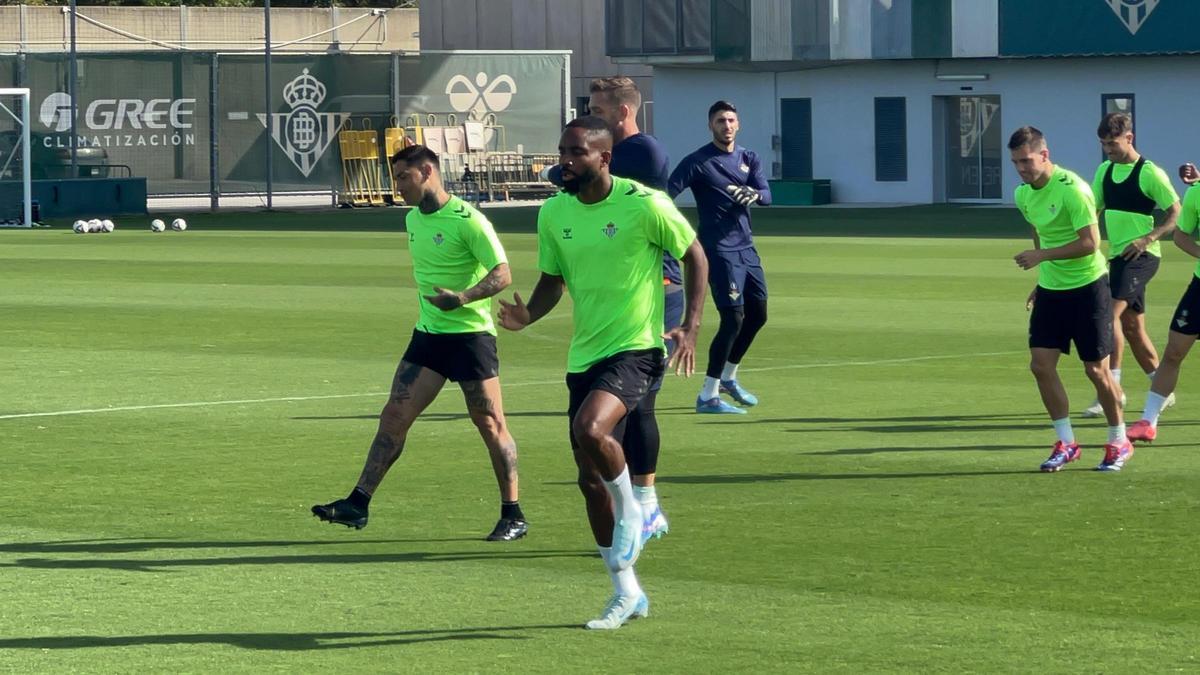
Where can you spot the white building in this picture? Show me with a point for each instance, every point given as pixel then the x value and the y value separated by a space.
pixel 913 100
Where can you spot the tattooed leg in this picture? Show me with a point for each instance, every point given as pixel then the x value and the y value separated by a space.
pixel 413 389
pixel 487 412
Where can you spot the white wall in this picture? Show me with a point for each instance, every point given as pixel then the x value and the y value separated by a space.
pixel 1059 96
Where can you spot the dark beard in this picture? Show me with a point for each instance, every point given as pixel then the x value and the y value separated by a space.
pixel 573 186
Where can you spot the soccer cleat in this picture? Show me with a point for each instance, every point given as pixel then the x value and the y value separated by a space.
pixel 1170 402
pixel 739 394
pixel 342 512
pixel 509 529
pixel 715 406
pixel 654 526
pixel 1141 430
pixel 1115 456
pixel 1060 456
pixel 620 609
pixel 1097 410
pixel 626 542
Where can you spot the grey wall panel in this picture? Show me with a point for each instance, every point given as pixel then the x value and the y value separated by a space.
pixel 529 24
pixel 891 30
pixel 459 24
pixel 810 29
pixel 495 24
pixel 593 60
pixel 563 31
pixel 430 24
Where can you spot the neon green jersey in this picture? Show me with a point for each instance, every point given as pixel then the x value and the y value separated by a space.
pixel 1123 226
pixel 452 248
pixel 1189 217
pixel 610 256
pixel 1058 210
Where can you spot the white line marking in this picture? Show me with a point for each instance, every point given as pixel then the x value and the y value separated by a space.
pixel 324 397
pixel 238 116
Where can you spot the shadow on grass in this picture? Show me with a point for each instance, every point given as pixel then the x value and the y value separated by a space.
pixel 435 417
pixel 135 565
pixel 714 479
pixel 283 641
pixel 127 545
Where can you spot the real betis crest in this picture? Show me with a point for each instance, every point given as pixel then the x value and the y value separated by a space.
pixel 304 134
pixel 610 231
pixel 1132 13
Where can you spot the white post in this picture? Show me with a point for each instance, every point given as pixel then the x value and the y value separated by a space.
pixel 26 176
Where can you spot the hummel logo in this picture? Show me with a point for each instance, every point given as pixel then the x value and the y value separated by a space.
pixel 610 231
pixel 566 233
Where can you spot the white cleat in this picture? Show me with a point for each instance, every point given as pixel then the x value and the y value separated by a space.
pixel 1170 402
pixel 1097 410
pixel 655 525
pixel 619 610
pixel 627 541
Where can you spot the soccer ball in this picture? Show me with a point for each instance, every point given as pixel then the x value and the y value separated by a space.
pixel 179 224
pixel 80 226
pixel 157 225
pixel 94 225
pixel 107 225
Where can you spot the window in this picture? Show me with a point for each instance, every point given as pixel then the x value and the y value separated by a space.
pixel 891 139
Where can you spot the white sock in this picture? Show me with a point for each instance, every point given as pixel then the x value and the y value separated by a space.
pixel 1116 434
pixel 646 496
pixel 730 371
pixel 624 581
pixel 709 390
pixel 1063 429
pixel 1155 403
pixel 625 505
pixel 1116 375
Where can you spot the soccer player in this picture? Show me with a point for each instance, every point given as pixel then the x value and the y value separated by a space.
pixel 1185 325
pixel 453 246
pixel 726 179
pixel 1127 188
pixel 602 240
pixel 639 157
pixel 1071 302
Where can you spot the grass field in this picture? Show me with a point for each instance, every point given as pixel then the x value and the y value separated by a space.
pixel 172 404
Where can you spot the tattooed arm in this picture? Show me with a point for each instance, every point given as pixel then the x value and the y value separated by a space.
pixel 495 281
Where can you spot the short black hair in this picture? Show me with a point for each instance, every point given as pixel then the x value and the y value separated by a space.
pixel 1031 136
pixel 593 126
pixel 721 106
pixel 416 154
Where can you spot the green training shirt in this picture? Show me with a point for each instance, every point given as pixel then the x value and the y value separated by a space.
pixel 1057 211
pixel 1123 226
pixel 610 256
pixel 1189 217
pixel 452 248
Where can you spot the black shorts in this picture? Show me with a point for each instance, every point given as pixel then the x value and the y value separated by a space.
pixel 458 357
pixel 626 375
pixel 1127 279
pixel 1187 315
pixel 672 318
pixel 734 276
pixel 1081 315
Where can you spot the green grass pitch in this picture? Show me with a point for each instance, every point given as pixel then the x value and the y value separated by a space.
pixel 172 404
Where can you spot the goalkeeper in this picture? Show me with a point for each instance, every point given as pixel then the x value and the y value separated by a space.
pixel 725 180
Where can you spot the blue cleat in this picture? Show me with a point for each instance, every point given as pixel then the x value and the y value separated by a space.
pixel 739 394
pixel 620 609
pixel 654 526
pixel 1060 456
pixel 715 406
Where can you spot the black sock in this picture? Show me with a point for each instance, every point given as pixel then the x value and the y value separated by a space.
pixel 359 498
pixel 511 510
